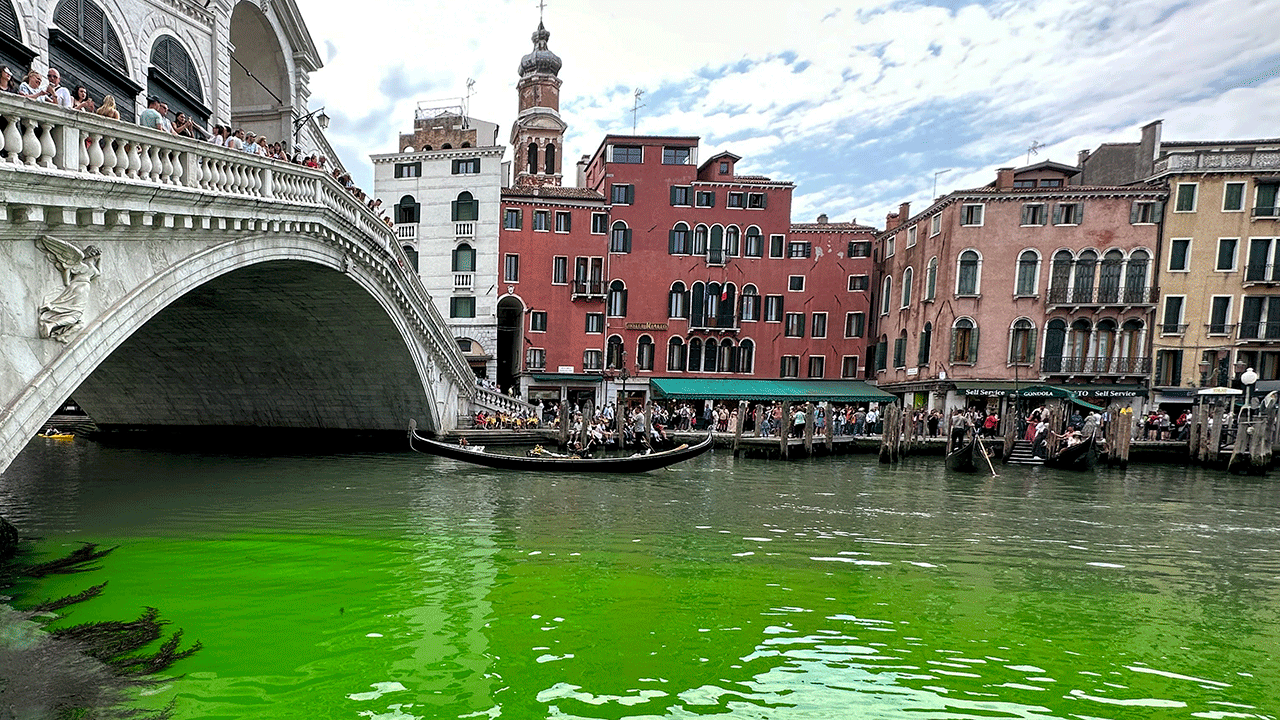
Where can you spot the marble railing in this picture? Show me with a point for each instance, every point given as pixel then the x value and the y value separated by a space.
pixel 1232 161
pixel 496 402
pixel 46 139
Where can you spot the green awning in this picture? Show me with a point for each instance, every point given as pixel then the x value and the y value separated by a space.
pixel 1047 391
pixel 564 377
pixel 766 390
pixel 987 388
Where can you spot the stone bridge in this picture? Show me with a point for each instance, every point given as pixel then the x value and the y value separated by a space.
pixel 224 289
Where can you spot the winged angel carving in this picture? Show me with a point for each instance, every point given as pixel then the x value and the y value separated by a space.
pixel 62 310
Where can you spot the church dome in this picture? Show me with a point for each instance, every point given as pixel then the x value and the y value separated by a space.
pixel 541 60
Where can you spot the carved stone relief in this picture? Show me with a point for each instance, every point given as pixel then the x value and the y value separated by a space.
pixel 62 310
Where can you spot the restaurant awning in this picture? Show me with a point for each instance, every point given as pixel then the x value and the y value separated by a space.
pixel 766 390
pixel 987 388
pixel 1053 391
pixel 564 377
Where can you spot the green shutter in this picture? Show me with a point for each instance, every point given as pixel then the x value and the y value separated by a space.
pixel 631 194
pixel 671 242
pixel 1057 214
pixel 973 345
pixel 1026 214
pixel 1175 371
pixel 1133 213
pixel 1157 211
pixel 1080 213
pixel 626 240
pixel 673 195
pixel 1159 367
pixel 764 200
pixel 453 210
pixel 954 333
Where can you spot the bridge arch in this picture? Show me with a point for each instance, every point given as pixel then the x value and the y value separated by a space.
pixel 161 356
pixel 263 74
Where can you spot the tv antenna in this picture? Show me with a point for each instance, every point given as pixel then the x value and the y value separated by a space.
pixel 466 102
pixel 635 109
pixel 935 180
pixel 1034 149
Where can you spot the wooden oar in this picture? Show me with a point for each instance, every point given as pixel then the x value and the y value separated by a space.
pixel 987 457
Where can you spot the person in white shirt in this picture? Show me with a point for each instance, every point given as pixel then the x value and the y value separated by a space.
pixel 35 87
pixel 59 94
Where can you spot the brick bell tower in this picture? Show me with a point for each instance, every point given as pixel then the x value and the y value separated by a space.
pixel 537 136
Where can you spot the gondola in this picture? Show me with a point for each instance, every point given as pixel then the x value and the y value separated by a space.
pixel 557 463
pixel 1081 456
pixel 968 457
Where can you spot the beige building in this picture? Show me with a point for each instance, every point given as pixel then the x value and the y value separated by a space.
pixel 1219 258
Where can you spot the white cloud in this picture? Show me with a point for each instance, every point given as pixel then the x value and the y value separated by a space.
pixel 859 104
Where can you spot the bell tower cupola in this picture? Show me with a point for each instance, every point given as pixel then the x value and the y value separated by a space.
pixel 537 136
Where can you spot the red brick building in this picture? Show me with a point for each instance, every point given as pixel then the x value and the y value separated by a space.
pixel 1029 280
pixel 661 266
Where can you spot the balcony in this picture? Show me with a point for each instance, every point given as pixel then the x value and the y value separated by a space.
pixel 715 257
pixel 407 232
pixel 464 281
pixel 1095 366
pixel 1258 331
pixel 1223 329
pixel 587 289
pixel 1261 274
pixel 720 323
pixel 1173 328
pixel 1103 296
pixel 1244 160
pixel 1267 212
pixel 465 229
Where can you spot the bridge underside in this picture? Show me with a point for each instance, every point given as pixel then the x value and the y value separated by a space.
pixel 281 344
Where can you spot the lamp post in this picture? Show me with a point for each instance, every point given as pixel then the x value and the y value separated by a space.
pixel 321 119
pixel 1248 378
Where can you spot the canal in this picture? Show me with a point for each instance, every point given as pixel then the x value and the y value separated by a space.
pixel 399 586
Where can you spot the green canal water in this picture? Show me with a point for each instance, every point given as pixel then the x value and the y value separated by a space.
pixel 396 586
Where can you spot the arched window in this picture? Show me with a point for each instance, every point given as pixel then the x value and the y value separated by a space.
pixel 697 305
pixel 1022 342
pixel 1077 345
pixel 732 245
pixel 712 308
pixel 931 280
pixel 88 52
pixel 900 350
pixel 711 356
pixel 620 238
pixel 613 353
pixel 728 356
pixel 1060 277
pixel 908 279
pixel 675 355
pixel 533 158
pixel 1132 342
pixel 754 243
pixel 886 290
pixel 1055 337
pixel 747 357
pixel 465 145
pixel 678 301
pixel 408 211
pixel 425 148
pixel 678 240
pixel 715 248
pixel 1028 273
pixel 446 146
pixel 644 353
pixel 750 303
pixel 550 164
pixel 1104 347
pixel 1082 291
pixel 699 241
pixel 967 273
pixel 695 355
pixel 464 258
pixel 926 343
pixel 617 302
pixel 1109 276
pixel 728 301
pixel 1135 277
pixel 173 78
pixel 964 341
pixel 465 208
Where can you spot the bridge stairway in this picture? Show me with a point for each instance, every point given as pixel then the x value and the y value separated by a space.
pixel 1021 454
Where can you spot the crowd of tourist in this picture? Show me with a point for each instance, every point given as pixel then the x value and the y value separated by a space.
pixel 48 87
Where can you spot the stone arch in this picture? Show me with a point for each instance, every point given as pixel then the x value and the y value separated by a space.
pixel 91 350
pixel 161 83
pixel 510 315
pixel 263 105
pixel 157 24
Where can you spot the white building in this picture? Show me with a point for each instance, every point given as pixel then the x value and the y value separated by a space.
pixel 444 190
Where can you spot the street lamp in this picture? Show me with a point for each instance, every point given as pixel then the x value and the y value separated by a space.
pixel 1248 378
pixel 321 119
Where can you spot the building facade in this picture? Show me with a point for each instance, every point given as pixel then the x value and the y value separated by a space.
pixel 444 190
pixel 1032 279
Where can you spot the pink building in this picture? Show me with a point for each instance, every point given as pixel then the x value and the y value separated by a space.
pixel 1030 280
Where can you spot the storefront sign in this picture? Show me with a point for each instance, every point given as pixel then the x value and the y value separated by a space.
pixel 986 392
pixel 660 326
pixel 565 369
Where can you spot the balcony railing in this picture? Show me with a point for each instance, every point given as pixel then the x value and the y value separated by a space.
pixel 715 257
pixel 407 232
pixel 1267 212
pixel 464 281
pixel 1258 330
pixel 1219 329
pixel 1104 295
pixel 1173 328
pixel 587 289
pixel 1095 366
pixel 719 323
pixel 1262 273
pixel 465 229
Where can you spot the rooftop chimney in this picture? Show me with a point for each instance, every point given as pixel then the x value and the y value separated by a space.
pixel 822 219
pixel 904 212
pixel 1082 157
pixel 1004 178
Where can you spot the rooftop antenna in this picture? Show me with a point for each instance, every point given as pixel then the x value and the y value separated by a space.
pixel 466 103
pixel 635 110
pixel 1034 149
pixel 935 180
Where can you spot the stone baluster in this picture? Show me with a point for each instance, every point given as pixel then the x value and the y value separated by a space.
pixel 144 160
pixel 12 140
pixel 157 164
pixel 134 163
pixel 267 189
pixel 91 161
pixel 108 164
pixel 166 165
pixel 179 172
pixel 48 148
pixel 30 143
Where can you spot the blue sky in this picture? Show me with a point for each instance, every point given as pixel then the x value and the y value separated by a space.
pixel 859 104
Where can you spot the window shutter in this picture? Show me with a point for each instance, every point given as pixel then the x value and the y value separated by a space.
pixel 764 202
pixel 1133 213
pixel 1031 345
pixel 851 244
pixel 1057 214
pixel 1026 214
pixel 713 198
pixel 1160 368
pixel 808 249
pixel 1079 213
pixel 733 359
pixel 671 242
pixel 673 194
pixel 568 222
pixel 954 335
pixel 626 240
pixel 631 200
pixel 1157 211
pixel 973 345
pixel 1175 370
pixel 453 210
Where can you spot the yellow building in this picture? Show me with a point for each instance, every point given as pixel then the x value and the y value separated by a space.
pixel 1219 258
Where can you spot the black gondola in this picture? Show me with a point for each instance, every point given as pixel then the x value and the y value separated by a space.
pixel 968 457
pixel 1081 456
pixel 557 463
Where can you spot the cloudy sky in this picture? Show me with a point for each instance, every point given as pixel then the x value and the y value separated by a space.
pixel 860 104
